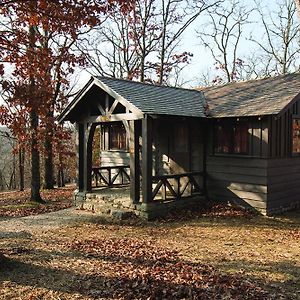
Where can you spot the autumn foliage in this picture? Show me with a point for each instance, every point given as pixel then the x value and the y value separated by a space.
pixel 37 56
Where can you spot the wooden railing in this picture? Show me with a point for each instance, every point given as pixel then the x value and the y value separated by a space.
pixel 104 176
pixel 177 186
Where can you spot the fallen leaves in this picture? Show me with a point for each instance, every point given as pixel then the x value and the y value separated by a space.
pixel 211 209
pixel 144 270
pixel 16 204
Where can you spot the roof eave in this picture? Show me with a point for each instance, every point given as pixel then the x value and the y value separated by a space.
pixel 284 109
pixel 93 80
pixel 64 114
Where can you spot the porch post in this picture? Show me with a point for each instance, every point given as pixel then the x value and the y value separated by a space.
pixel 134 161
pixel 205 141
pixel 81 155
pixel 89 155
pixel 85 140
pixel 147 158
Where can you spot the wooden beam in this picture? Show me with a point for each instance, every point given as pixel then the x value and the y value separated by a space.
pixel 82 163
pixel 106 104
pixel 127 128
pixel 85 141
pixel 134 161
pixel 79 148
pixel 89 155
pixel 116 96
pixel 113 118
pixel 147 158
pixel 205 130
pixel 102 111
pixel 112 108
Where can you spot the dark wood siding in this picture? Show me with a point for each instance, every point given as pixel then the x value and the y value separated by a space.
pixel 169 157
pixel 280 131
pixel 283 184
pixel 238 179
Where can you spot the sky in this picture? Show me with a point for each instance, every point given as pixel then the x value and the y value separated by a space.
pixel 202 60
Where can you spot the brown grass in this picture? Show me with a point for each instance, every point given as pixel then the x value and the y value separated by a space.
pixel 88 261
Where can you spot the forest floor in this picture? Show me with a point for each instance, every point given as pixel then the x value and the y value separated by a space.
pixel 219 252
pixel 17 204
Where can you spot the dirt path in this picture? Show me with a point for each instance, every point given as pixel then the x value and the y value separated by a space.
pixel 43 222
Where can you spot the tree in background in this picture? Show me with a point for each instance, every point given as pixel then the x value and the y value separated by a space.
pixel 143 44
pixel 65 151
pixel 279 50
pixel 36 39
pixel 297 3
pixel 274 48
pixel 221 35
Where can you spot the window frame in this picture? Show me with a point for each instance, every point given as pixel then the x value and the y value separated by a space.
pixel 228 128
pixel 110 137
pixel 294 117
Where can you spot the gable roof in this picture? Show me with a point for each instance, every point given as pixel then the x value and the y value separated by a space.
pixel 259 97
pixel 156 99
pixel 252 98
pixel 146 98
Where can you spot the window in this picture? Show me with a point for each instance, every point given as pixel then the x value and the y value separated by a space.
pixel 117 137
pixel 231 137
pixel 296 135
pixel 181 137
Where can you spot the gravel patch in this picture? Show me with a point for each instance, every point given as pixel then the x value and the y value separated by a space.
pixel 22 226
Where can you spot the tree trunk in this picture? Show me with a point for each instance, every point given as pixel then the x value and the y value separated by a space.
pixel 21 169
pixel 34 119
pixel 12 181
pixel 1 182
pixel 35 160
pixel 49 182
pixel 60 178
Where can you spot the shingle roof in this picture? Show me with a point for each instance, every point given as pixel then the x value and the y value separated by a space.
pixel 252 98
pixel 161 100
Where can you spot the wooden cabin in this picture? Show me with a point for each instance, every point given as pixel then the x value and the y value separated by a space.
pixel 238 142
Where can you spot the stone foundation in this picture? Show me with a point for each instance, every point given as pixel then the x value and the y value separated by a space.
pixel 118 204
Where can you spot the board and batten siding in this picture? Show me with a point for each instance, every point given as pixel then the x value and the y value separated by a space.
pixel 114 158
pixel 238 179
pixel 172 155
pixel 283 184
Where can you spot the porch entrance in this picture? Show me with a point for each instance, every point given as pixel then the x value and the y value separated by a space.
pixel 177 170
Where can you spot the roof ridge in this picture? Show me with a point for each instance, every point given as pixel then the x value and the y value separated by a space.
pixel 149 84
pixel 246 81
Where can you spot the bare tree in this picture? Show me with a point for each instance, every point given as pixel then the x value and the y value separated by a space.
pixel 297 3
pixel 176 17
pixel 144 44
pixel 279 47
pixel 119 48
pixel 222 36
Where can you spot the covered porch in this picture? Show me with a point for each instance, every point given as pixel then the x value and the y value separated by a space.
pixel 156 160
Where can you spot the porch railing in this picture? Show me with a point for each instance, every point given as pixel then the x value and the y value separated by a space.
pixel 110 176
pixel 177 186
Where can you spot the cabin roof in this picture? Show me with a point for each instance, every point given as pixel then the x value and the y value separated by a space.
pixel 267 96
pixel 158 100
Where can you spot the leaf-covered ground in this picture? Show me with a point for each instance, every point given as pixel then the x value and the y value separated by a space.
pixel 17 204
pixel 219 253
